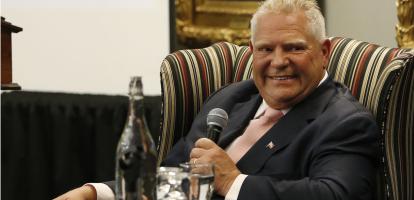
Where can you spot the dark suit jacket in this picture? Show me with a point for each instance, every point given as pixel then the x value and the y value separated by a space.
pixel 325 147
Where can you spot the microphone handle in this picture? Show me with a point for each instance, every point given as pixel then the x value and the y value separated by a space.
pixel 213 132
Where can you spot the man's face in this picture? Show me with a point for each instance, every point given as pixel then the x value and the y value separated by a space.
pixel 288 61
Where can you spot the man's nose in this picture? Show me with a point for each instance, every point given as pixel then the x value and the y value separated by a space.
pixel 279 59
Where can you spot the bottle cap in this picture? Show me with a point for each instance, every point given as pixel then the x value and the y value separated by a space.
pixel 135 86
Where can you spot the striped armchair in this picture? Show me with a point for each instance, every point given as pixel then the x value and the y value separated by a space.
pixel 381 78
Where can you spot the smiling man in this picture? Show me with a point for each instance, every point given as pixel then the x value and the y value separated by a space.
pixel 293 132
pixel 324 145
pixel 289 59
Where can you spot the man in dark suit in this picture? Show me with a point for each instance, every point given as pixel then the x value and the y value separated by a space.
pixel 323 148
pixel 322 145
pixel 325 144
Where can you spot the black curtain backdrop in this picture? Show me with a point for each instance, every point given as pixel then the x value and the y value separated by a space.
pixel 53 142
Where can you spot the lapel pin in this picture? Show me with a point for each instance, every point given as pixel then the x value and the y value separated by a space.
pixel 270 145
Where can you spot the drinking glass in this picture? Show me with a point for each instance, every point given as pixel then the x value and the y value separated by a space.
pixel 200 183
pixel 169 183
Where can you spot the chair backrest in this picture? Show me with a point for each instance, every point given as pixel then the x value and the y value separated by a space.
pixel 381 78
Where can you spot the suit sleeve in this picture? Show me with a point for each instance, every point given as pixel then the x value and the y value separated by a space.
pixel 181 150
pixel 342 166
pixel 180 153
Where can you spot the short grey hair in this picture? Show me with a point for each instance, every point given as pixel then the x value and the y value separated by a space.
pixel 316 22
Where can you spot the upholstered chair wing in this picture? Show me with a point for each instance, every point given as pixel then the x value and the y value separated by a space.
pixel 188 77
pixel 381 78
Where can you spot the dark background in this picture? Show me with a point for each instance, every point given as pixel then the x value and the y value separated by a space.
pixel 54 142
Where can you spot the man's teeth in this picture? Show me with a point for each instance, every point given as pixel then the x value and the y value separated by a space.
pixel 281 78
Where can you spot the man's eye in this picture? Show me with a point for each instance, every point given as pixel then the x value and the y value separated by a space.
pixel 265 49
pixel 295 48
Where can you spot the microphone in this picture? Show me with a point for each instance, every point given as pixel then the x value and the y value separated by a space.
pixel 216 122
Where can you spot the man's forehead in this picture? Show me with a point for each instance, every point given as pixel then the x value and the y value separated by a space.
pixel 284 41
pixel 295 41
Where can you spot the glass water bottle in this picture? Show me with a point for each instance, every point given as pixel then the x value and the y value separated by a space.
pixel 136 162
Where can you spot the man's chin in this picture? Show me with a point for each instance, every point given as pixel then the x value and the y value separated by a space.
pixel 280 103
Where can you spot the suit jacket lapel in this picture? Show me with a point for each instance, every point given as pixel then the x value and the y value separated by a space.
pixel 286 129
pixel 239 117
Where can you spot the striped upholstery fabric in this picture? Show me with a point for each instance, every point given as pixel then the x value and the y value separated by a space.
pixel 188 77
pixel 374 76
pixel 381 78
pixel 398 126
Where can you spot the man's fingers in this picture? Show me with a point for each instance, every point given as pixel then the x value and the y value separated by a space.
pixel 202 151
pixel 196 152
pixel 204 143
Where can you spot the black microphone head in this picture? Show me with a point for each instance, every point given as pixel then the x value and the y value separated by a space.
pixel 217 117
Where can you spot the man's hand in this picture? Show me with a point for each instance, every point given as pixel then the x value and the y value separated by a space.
pixel 86 192
pixel 206 151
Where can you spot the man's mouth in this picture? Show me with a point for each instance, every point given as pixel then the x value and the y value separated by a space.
pixel 281 78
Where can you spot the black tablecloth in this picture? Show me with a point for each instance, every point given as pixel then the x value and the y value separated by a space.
pixel 53 142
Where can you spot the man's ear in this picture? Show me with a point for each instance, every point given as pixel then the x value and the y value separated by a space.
pixel 326 49
pixel 251 46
